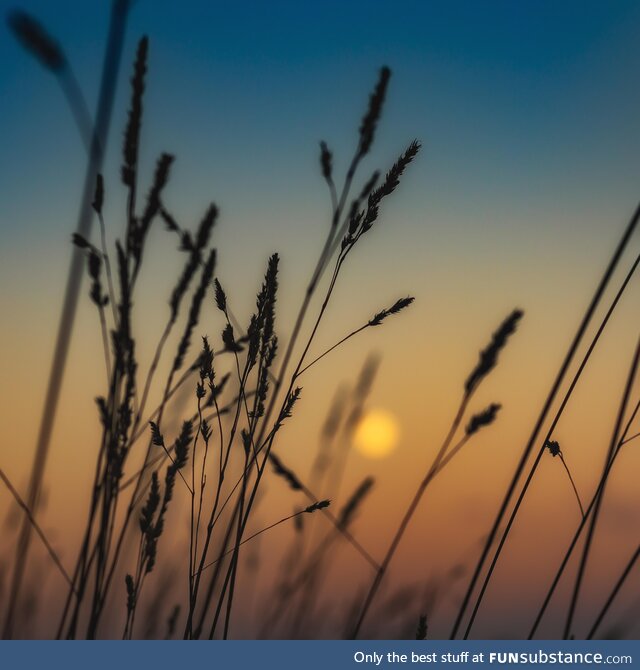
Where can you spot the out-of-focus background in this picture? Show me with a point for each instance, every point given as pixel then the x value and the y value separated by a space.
pixel 529 115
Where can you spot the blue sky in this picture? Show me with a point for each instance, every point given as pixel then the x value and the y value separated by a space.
pixel 523 89
pixel 529 115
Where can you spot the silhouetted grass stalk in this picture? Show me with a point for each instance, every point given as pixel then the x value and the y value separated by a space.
pixel 111 63
pixel 359 223
pixel 583 522
pixel 54 556
pixel 553 391
pixel 413 505
pixel 306 510
pixel 487 362
pixel 555 451
pixel 615 440
pixel 573 484
pixel 614 592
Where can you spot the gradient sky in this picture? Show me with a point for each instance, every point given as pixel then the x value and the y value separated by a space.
pixel 529 115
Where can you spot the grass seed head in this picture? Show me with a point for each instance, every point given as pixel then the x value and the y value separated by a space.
pixel 288 475
pixel 489 355
pixel 321 504
pixel 421 631
pixel 553 447
pixel 98 195
pixel 326 161
pixel 352 505
pixel 134 122
pixel 374 111
pixel 36 40
pixel 484 418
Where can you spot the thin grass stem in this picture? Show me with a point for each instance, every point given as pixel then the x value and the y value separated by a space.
pixel 615 439
pixel 546 408
pixel 612 596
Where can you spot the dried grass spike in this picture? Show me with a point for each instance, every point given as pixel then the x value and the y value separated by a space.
pixel 229 339
pixel 194 311
pixel 206 363
pixel 326 161
pixel 221 296
pixel 334 416
pixel 151 505
pixel 397 306
pixel 131 593
pixel 392 178
pixel 206 226
pixel 321 504
pixel 484 418
pixel 98 195
pixel 285 473
pixel 421 631
pixel 489 355
pixel 391 181
pixel 348 512
pixel 181 446
pixel 132 132
pixel 292 399
pixel 35 39
pixel 371 118
pixel 156 435
pixel 169 222
pixel 80 241
pixel 160 179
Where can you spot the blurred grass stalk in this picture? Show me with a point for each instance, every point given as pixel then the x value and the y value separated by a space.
pixel 110 68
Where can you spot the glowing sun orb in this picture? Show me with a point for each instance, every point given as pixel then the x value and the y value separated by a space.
pixel 377 433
